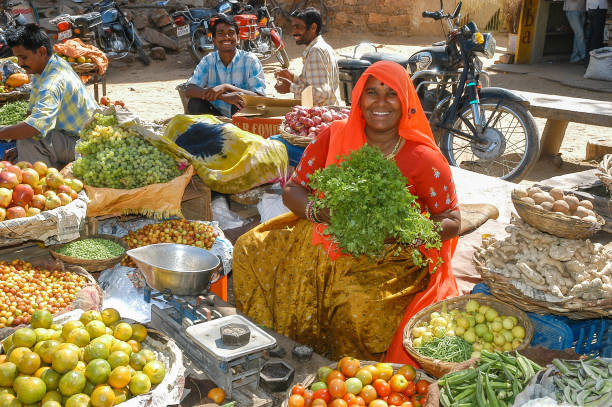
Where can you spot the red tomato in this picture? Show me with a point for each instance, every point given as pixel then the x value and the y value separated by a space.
pixel 382 388
pixel 422 386
pixel 398 383
pixel 350 367
pixel 395 399
pixel 321 403
pixel 348 397
pixel 335 374
pixel 408 372
pixel 342 361
pixel 337 388
pixel 385 369
pixel 368 394
pixel 322 394
pixel 297 389
pixel 410 389
pixel 407 404
pixel 296 400
pixel 378 403
pixel 308 397
pixel 423 400
pixel 415 401
pixel 338 403
pixel 357 401
pixel 373 371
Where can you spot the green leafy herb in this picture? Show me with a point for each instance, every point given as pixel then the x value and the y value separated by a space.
pixel 369 201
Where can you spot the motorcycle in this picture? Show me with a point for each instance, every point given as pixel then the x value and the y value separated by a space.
pixel 13 14
pixel 257 32
pixel 483 129
pixel 105 26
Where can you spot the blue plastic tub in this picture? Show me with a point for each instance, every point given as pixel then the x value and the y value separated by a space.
pixel 591 337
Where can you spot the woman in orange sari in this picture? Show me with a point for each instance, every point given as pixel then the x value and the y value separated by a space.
pixel 289 277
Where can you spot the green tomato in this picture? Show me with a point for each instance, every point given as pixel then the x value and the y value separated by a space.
pixel 353 385
pixel 318 386
pixel 323 372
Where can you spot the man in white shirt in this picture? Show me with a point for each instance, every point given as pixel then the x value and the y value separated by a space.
pixel 596 12
pixel 574 9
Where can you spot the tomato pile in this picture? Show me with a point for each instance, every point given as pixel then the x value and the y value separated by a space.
pixel 179 231
pixel 352 385
pixel 24 289
pixel 307 122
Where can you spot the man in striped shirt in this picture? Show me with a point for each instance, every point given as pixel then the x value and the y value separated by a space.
pixel 320 67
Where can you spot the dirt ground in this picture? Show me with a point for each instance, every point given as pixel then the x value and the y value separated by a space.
pixel 150 90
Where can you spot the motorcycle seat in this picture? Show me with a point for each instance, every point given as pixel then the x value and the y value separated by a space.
pixel 88 19
pixel 384 56
pixel 202 13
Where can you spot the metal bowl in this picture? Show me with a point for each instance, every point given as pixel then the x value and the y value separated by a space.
pixel 182 269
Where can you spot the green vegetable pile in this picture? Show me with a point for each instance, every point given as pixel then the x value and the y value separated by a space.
pixel 116 158
pixel 584 382
pixel 369 201
pixel 447 348
pixel 13 112
pixel 495 382
pixel 92 249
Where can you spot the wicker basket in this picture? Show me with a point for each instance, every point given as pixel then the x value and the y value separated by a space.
pixel 605 174
pixel 84 67
pixel 293 138
pixel 14 95
pixel 439 368
pixel 91 265
pixel 310 379
pixel 501 287
pixel 554 223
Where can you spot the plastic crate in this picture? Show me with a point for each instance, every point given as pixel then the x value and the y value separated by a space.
pixel 6 146
pixel 591 337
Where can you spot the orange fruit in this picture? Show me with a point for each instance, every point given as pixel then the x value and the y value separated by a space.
pixel 17 353
pixel 7 390
pixel 78 400
pixel 42 334
pixel 46 350
pixel 148 354
pixel 91 315
pixel 69 326
pixel 89 388
pixel 7 343
pixel 95 350
pixel 30 389
pixel 137 361
pixel 8 373
pixel 118 358
pixel 80 367
pixel 110 316
pixel 135 345
pixel 98 371
pixel 217 395
pixel 41 318
pixel 140 384
pixel 79 336
pixel 40 371
pixel 52 395
pixel 120 377
pixel 71 346
pixel 122 346
pixel 155 370
pixel 64 360
pixel 122 331
pixel 96 328
pixel 71 383
pixel 51 379
pixel 52 403
pixel 121 395
pixel 25 337
pixel 103 396
pixel 28 363
pixel 6 399
pixel 139 332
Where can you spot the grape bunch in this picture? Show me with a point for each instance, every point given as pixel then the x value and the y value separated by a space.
pixel 115 158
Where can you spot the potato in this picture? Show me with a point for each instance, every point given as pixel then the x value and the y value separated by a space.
pixel 548 206
pixel 591 213
pixel 572 201
pixel 557 194
pixel 538 207
pixel 586 204
pixel 542 197
pixel 561 206
pixel 591 219
pixel 581 212
pixel 528 200
pixel 533 190
pixel 520 193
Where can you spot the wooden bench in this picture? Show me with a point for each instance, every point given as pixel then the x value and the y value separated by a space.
pixel 560 110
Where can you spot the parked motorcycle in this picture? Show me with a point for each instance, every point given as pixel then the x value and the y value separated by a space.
pixel 12 14
pixel 105 26
pixel 257 32
pixel 483 129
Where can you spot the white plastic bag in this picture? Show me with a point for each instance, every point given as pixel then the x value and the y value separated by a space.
pixel 270 206
pixel 600 64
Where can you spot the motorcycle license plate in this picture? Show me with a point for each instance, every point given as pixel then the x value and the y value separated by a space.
pixel 183 30
pixel 62 35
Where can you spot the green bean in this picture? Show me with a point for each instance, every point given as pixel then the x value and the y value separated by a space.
pixel 448 348
pixel 13 112
pixel 92 249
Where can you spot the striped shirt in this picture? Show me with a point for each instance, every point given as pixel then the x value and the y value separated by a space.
pixel 59 100
pixel 245 72
pixel 321 72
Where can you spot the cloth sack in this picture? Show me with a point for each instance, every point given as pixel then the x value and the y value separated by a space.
pixel 600 64
pixel 75 48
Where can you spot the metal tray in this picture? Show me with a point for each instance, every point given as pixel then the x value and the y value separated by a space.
pixel 208 336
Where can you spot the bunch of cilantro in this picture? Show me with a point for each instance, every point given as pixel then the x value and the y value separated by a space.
pixel 369 201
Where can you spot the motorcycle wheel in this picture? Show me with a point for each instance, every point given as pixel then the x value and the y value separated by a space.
pixel 512 140
pixel 199 36
pixel 283 58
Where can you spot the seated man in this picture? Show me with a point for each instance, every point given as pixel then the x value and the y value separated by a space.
pixel 222 76
pixel 59 103
pixel 320 68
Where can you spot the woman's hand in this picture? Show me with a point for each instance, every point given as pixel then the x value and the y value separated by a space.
pixel 450 221
pixel 323 215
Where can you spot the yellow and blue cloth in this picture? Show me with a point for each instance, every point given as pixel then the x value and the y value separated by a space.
pixel 59 100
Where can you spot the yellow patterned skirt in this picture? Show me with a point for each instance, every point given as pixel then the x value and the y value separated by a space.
pixel 345 307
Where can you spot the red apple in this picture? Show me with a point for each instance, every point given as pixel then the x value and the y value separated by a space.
pixel 23 165
pixel 30 177
pixel 22 194
pixel 16 170
pixel 65 189
pixel 41 168
pixel 38 201
pixel 32 211
pixel 5 164
pixel 15 212
pixel 54 179
pixel 64 198
pixel 38 189
pixel 8 179
pixel 52 202
pixel 49 193
pixel 6 196
pixel 2 214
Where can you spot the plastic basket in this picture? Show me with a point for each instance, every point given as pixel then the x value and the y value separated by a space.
pixel 6 146
pixel 592 337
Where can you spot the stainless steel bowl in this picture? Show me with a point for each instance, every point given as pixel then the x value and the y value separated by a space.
pixel 182 269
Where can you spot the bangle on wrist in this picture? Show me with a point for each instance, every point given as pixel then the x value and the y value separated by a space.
pixel 315 213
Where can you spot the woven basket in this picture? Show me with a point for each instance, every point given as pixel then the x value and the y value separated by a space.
pixel 84 67
pixel 554 223
pixel 310 379
pixel 501 287
pixel 605 174
pixel 14 95
pixel 91 265
pixel 297 140
pixel 439 368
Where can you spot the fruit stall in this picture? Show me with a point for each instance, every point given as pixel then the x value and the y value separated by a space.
pixel 110 294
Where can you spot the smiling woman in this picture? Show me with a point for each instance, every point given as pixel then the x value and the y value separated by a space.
pixel 287 277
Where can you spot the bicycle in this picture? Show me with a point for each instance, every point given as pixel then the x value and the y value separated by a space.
pixel 277 11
